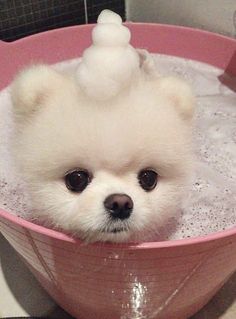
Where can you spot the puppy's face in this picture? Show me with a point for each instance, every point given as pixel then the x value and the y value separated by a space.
pixel 110 171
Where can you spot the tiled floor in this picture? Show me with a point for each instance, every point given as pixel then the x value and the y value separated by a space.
pixel 21 295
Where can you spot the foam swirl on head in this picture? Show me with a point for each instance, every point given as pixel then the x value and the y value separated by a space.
pixel 110 63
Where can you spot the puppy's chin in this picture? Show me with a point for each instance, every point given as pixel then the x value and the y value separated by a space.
pixel 112 237
pixel 114 234
pixel 151 232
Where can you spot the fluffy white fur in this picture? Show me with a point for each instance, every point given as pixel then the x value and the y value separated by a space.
pixel 61 126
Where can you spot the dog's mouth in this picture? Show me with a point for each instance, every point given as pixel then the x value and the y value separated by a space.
pixel 115 230
pixel 115 227
pixel 118 230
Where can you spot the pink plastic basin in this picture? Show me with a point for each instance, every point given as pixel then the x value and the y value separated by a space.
pixel 166 280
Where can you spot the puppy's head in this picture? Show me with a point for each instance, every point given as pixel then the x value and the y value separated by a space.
pixel 111 170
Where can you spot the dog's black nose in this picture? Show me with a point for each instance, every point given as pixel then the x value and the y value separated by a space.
pixel 119 206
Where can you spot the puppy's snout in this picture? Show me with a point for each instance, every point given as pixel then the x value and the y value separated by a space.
pixel 119 206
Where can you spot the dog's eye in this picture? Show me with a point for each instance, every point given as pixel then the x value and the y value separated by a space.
pixel 77 180
pixel 148 179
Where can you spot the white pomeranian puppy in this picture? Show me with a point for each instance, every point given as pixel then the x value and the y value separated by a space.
pixel 105 154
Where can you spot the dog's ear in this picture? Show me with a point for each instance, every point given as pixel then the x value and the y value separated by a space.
pixel 32 87
pixel 181 95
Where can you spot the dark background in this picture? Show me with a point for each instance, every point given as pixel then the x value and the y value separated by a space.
pixel 19 18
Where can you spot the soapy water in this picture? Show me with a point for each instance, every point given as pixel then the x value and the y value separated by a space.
pixel 210 203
